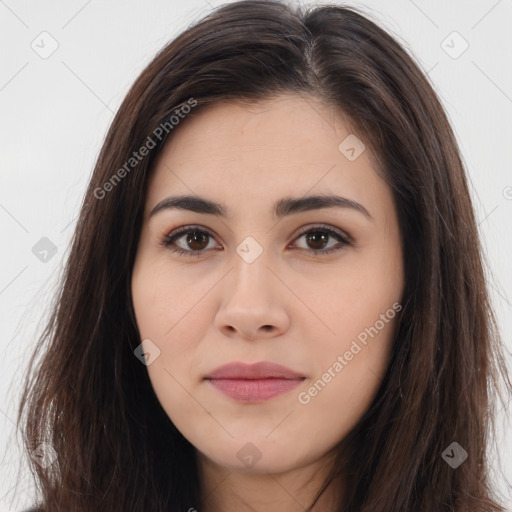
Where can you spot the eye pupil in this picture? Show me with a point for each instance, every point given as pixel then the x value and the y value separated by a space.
pixel 194 235
pixel 317 237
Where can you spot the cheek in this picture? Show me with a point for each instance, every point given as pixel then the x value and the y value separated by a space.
pixel 352 371
pixel 165 299
pixel 356 301
pixel 164 317
pixel 171 312
pixel 352 362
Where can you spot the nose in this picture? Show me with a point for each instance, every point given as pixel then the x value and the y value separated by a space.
pixel 253 301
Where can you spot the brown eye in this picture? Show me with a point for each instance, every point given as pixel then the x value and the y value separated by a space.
pixel 192 241
pixel 197 240
pixel 317 239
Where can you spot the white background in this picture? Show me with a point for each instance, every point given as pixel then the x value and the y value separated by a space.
pixel 55 113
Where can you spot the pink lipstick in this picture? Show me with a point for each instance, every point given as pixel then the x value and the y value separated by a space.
pixel 254 383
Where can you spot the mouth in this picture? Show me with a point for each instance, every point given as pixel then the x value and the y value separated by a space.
pixel 254 383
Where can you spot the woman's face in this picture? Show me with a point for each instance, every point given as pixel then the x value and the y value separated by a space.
pixel 252 284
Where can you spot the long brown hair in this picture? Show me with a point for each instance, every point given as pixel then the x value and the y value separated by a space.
pixel 89 399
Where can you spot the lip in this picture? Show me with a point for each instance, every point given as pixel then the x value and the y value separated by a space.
pixel 254 383
pixel 262 370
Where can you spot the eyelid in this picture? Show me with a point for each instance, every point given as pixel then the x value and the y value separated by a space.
pixel 345 238
pixel 315 225
pixel 185 229
pixel 168 239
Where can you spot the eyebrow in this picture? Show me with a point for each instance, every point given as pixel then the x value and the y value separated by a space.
pixel 284 207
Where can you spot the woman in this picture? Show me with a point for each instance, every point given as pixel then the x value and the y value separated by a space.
pixel 275 295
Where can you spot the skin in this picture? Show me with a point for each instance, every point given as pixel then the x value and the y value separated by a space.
pixel 290 305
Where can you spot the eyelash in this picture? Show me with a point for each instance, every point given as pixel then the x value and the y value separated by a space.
pixel 169 239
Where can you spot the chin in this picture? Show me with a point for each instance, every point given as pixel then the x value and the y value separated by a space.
pixel 257 457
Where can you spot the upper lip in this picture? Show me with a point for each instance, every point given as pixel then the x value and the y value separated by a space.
pixel 261 370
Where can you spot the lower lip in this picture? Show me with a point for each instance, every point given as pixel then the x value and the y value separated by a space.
pixel 254 390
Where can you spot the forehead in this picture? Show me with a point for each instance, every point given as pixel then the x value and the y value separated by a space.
pixel 287 126
pixel 287 145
